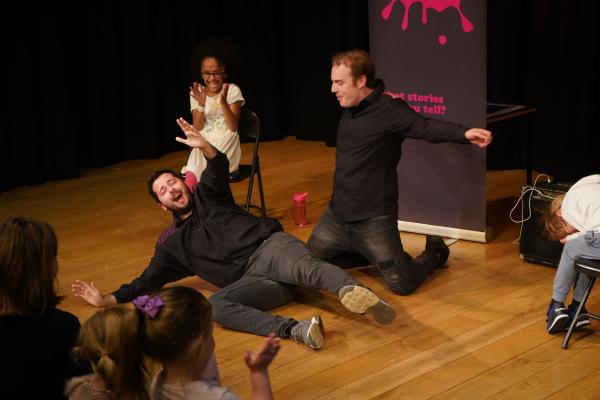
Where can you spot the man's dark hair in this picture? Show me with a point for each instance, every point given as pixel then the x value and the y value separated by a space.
pixel 154 176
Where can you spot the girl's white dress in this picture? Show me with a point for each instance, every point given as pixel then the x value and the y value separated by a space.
pixel 216 132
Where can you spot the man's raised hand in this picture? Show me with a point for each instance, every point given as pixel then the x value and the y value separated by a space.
pixel 194 139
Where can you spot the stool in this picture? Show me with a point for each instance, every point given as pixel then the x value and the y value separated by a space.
pixel 592 269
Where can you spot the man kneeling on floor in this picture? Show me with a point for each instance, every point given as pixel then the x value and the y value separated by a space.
pixel 257 265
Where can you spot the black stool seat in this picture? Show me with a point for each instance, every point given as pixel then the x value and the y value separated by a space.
pixel 592 269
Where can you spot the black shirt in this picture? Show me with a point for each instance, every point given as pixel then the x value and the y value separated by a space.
pixel 36 354
pixel 214 242
pixel 369 140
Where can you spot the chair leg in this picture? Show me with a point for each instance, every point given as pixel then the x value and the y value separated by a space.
pixel 250 188
pixel 263 207
pixel 565 342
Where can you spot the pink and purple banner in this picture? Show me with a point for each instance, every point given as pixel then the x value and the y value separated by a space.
pixel 432 54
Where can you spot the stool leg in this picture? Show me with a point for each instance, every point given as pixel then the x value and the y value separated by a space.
pixel 565 342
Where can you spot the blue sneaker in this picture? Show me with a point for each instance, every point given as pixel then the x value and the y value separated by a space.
pixel 583 321
pixel 557 319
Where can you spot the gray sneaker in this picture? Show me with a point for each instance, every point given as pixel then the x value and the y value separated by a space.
pixel 310 332
pixel 361 300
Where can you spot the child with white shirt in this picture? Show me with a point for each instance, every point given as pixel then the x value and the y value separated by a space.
pixel 176 330
pixel 574 219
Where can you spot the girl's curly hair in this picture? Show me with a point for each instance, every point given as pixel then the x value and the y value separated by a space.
pixel 223 50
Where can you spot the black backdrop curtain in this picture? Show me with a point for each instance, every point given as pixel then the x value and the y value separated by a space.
pixel 88 85
pixel 91 84
pixel 544 54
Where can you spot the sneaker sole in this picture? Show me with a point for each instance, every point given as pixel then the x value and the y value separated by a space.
pixel 361 300
pixel 579 325
pixel 316 340
pixel 559 324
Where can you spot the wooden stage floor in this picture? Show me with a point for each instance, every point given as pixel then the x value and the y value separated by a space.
pixel 475 330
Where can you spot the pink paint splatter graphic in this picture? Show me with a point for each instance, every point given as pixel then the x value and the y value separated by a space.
pixel 437 5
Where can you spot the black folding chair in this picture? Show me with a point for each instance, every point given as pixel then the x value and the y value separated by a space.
pixel 592 269
pixel 249 131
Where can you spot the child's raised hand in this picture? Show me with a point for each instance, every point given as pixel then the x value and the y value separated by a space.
pixel 224 92
pixel 198 93
pixel 263 357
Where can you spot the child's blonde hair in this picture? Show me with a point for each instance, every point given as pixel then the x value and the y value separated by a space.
pixel 109 340
pixel 553 224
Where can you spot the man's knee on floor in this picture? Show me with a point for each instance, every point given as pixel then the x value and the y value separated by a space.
pixel 394 278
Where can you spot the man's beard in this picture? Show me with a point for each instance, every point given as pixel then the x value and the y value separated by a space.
pixel 181 211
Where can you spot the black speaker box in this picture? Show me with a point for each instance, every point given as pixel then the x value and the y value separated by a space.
pixel 534 246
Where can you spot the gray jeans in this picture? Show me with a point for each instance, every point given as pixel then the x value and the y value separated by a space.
pixel 275 270
pixel 586 246
pixel 378 240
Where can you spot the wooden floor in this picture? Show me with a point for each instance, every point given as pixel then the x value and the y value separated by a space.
pixel 473 331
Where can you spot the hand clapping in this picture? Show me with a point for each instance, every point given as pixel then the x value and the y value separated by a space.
pixel 263 357
pixel 198 92
pixel 224 93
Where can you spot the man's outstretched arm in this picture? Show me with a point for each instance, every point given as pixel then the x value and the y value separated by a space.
pixel 162 270
pixel 90 293
pixel 478 136
pixel 406 121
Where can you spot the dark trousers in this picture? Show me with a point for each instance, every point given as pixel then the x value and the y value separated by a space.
pixel 378 240
pixel 275 271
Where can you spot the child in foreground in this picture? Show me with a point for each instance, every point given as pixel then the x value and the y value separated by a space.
pixel 174 329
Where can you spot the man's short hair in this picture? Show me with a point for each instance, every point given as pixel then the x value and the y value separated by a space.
pixel 154 176
pixel 360 64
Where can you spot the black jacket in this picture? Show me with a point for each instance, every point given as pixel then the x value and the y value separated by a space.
pixel 214 243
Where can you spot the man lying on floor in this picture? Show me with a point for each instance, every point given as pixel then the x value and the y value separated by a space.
pixel 257 265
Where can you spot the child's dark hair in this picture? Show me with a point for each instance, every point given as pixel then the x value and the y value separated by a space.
pixel 185 316
pixel 28 251
pixel 223 50
pixel 109 340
